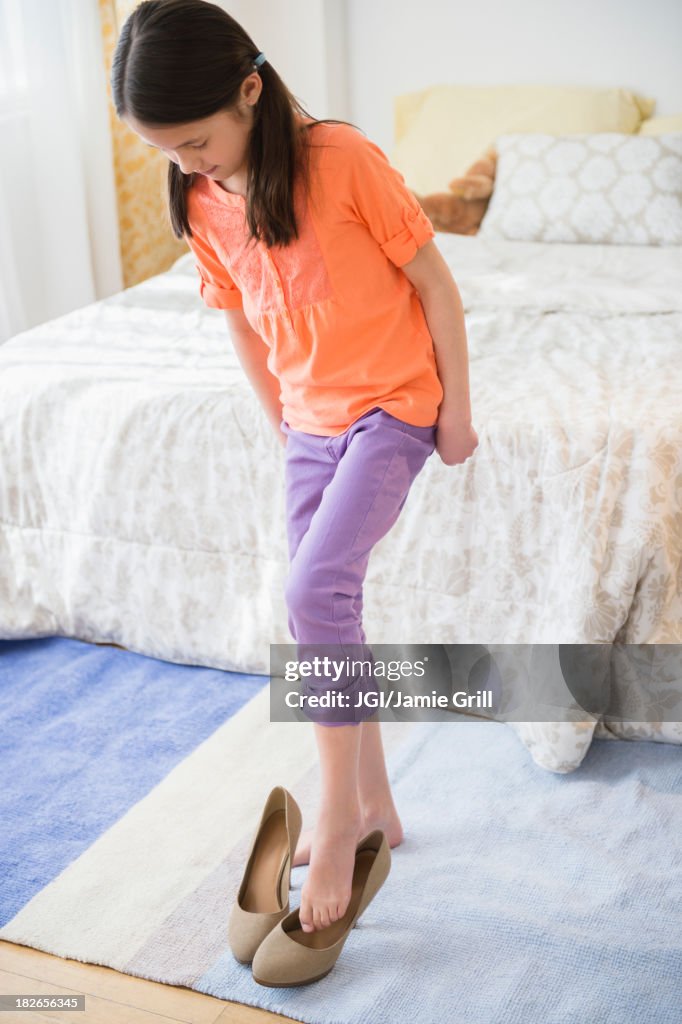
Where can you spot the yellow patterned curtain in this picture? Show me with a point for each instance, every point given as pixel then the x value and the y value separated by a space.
pixel 148 246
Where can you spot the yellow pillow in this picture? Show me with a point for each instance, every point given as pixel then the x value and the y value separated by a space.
pixel 441 130
pixel 661 125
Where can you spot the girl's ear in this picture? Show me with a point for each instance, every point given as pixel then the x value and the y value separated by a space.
pixel 252 86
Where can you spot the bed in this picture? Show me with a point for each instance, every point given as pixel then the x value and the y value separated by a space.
pixel 142 488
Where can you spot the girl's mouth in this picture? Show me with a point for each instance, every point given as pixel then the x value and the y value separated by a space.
pixel 210 170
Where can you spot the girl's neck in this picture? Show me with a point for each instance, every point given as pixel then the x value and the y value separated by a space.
pixel 236 185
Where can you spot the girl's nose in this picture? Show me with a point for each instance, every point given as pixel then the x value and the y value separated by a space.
pixel 186 164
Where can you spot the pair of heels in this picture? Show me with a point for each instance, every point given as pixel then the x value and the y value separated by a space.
pixel 263 931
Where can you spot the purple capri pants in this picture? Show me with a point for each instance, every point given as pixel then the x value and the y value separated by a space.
pixel 343 494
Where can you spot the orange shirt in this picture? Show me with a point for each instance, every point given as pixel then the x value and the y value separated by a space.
pixel 345 327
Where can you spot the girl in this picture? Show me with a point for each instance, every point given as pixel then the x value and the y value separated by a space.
pixel 350 328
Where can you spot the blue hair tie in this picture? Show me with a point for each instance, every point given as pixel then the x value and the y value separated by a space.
pixel 260 59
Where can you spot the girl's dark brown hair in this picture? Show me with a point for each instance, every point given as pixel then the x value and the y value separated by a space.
pixel 183 60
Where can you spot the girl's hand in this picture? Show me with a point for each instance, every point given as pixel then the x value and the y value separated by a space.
pixel 456 439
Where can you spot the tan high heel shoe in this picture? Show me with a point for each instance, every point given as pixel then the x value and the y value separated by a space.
pixel 289 956
pixel 263 897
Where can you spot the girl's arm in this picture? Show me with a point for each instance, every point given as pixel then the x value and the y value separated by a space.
pixel 252 353
pixel 439 294
pixel 442 303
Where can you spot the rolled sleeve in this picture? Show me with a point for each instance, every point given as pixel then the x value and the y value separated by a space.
pixel 216 286
pixel 218 295
pixel 418 231
pixel 381 200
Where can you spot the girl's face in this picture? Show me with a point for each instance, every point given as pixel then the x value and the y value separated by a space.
pixel 215 146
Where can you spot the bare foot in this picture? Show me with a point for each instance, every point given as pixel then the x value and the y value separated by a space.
pixel 326 892
pixel 302 853
pixel 387 820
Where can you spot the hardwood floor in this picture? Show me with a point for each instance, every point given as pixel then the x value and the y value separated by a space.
pixel 110 997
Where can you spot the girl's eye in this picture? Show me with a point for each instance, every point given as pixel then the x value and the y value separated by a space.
pixel 202 146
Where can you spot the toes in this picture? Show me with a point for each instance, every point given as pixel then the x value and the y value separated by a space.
pixel 316 916
pixel 341 909
pixel 305 915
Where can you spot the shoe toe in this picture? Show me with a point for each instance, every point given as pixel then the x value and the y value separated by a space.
pixel 281 961
pixel 246 931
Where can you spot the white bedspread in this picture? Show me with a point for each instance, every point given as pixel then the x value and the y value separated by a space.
pixel 141 488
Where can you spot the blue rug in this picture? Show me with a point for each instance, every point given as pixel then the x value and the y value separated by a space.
pixel 85 732
pixel 518 896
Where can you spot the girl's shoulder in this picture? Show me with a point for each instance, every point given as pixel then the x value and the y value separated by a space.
pixel 340 136
pixel 337 148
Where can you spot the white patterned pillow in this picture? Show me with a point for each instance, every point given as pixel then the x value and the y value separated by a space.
pixel 601 188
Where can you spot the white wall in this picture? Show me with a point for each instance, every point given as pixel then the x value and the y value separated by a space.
pixel 349 58
pixel 398 46
pixel 306 42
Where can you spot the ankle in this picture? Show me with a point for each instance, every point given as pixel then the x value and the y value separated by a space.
pixel 342 820
pixel 377 808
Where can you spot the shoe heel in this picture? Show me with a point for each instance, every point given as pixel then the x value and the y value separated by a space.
pixel 251 918
pixel 294 822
